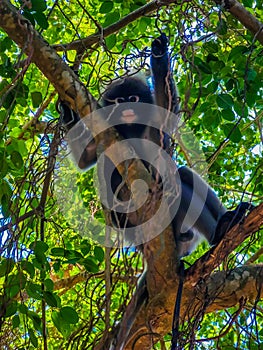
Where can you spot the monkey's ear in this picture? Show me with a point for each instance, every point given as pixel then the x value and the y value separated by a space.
pixel 229 219
pixel 159 46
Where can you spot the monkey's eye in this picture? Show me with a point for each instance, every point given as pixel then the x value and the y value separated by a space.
pixel 134 98
pixel 119 100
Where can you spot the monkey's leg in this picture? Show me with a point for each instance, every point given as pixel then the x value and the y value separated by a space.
pixel 214 220
pixel 81 142
pixel 230 219
pixel 196 216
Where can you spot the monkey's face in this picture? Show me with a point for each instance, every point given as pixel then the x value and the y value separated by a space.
pixel 126 101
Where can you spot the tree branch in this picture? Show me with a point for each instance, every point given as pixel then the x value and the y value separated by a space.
pixel 67 84
pixel 233 6
pixel 233 238
pixel 219 291
pixel 222 290
pixel 113 28
pixel 245 17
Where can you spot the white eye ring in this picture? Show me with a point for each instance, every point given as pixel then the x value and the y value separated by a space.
pixel 119 100
pixel 134 98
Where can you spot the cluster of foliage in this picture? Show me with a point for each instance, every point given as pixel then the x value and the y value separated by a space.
pixel 51 271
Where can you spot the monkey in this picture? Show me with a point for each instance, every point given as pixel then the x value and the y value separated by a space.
pixel 123 101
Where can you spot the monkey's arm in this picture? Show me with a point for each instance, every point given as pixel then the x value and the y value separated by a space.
pixel 201 211
pixel 166 95
pixel 81 142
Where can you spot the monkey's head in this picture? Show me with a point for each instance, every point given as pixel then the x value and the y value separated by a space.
pixel 127 114
pixel 130 89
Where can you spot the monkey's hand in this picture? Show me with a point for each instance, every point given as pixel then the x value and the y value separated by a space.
pixel 160 61
pixel 159 46
pixel 69 118
pixel 230 219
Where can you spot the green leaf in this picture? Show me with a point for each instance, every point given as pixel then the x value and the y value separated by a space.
pixel 41 20
pixel 17 160
pixel 11 309
pixel 50 299
pixel 85 247
pixel 36 320
pixel 99 253
pixel 9 100
pixel 56 265
pixel 49 284
pixel 228 114
pixel 28 267
pixel 111 18
pixel 15 283
pixel 224 101
pixel 5 203
pixel 41 258
pixel 23 309
pixel 58 252
pixel 60 324
pixel 73 256
pixel 3 167
pixel 204 107
pixel 6 266
pixel 222 27
pixel 211 120
pixel 248 3
pixel 236 135
pixel 211 57
pixel 15 321
pixel 226 72
pixel 7 70
pixel 237 51
pixel 212 87
pixel 241 109
pixel 233 134
pixel 143 24
pixel 57 320
pixel 203 66
pixel 251 99
pixel 6 188
pixel 37 264
pixel 251 75
pixel 95 229
pixel 106 7
pixel 15 132
pixel 22 90
pixel 32 337
pixel 36 97
pixel 21 101
pixel 69 315
pixel 111 41
pixel 39 246
pixel 5 44
pixel 90 265
pixel 34 290
pixel 16 144
pixel 38 5
pixel 230 84
pixel 211 46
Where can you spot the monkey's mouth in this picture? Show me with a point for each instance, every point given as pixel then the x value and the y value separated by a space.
pixel 128 116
